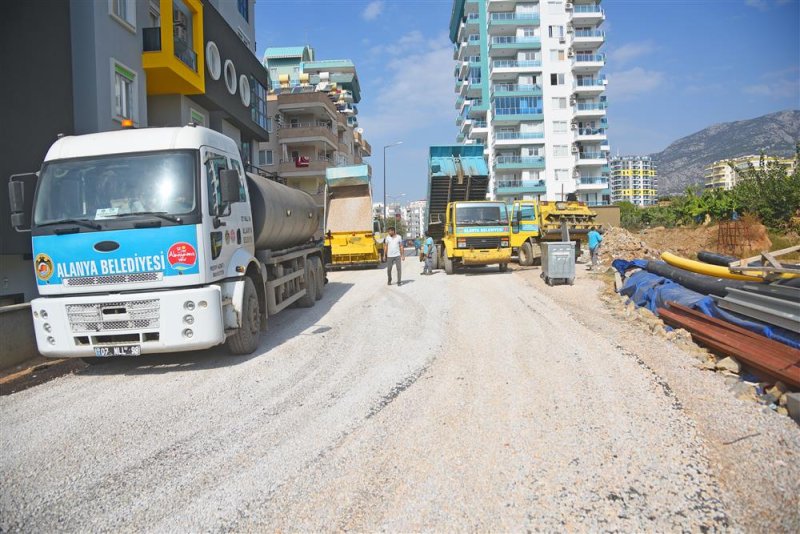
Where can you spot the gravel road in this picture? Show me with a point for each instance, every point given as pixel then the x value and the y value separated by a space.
pixel 470 402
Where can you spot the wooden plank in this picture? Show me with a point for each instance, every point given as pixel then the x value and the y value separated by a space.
pixel 764 269
pixel 771 259
pixel 781 252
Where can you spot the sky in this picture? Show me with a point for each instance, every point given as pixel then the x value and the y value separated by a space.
pixel 674 67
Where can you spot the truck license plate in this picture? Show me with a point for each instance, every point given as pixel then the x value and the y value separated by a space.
pixel 118 350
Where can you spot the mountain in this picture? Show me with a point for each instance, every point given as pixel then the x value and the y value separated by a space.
pixel 683 162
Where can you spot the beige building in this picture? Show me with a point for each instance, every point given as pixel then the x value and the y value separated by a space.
pixel 724 174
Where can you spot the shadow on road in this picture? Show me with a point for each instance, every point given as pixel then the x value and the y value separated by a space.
pixel 286 325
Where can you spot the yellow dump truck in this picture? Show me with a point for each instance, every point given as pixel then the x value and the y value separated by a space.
pixel 534 221
pixel 350 236
pixel 467 229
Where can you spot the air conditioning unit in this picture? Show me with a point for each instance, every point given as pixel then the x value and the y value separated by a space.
pixel 572 101
pixel 575 149
pixel 574 125
pixel 570 52
pixel 568 6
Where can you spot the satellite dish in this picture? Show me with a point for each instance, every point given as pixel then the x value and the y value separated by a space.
pixel 360 130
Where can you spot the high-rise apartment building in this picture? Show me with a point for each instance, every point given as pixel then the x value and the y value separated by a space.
pixel 417 211
pixel 530 89
pixel 634 179
pixel 724 174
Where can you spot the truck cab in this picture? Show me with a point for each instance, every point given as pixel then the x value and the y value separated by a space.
pixel 476 233
pixel 535 221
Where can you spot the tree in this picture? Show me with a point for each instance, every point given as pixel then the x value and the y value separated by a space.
pixel 769 191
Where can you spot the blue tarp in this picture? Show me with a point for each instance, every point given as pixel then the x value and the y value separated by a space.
pixel 654 291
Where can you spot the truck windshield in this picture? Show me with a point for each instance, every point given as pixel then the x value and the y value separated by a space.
pixel 110 187
pixel 481 214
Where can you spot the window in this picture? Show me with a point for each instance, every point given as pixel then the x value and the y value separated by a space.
pixel 559 103
pixel 230 76
pixel 511 105
pixel 560 151
pixel 529 32
pixel 265 157
pixel 197 117
pixel 269 125
pixel 561 174
pixel 124 11
pixel 555 31
pixel 124 92
pixel 474 75
pixel 556 55
pixel 258 104
pixel 557 79
pixel 244 9
pixel 559 127
pixel 214 164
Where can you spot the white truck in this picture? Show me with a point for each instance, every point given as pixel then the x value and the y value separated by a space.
pixel 156 240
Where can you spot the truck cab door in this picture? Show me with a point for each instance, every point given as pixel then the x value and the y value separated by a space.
pixel 230 226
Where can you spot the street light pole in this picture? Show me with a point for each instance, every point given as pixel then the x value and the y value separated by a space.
pixel 384 179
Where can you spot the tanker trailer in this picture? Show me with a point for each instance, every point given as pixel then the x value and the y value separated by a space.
pixel 156 240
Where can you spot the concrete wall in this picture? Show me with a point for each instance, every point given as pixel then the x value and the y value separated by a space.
pixel 97 37
pixel 16 331
pixel 173 110
pixel 17 276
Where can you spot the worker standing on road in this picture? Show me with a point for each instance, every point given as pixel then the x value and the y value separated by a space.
pixel 429 251
pixel 394 254
pixel 416 246
pixel 594 245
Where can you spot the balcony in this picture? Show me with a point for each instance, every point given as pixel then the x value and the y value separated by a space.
pixel 512 89
pixel 592 183
pixel 590 134
pixel 588 62
pixel 513 115
pixel 513 67
pixel 592 86
pixel 516 187
pixel 473 44
pixel 588 38
pixel 314 167
pixel 172 63
pixel 587 14
pixel 518 162
pixel 590 109
pixel 512 19
pixel 510 44
pixel 510 139
pixel 303 132
pixel 305 102
pixel 592 158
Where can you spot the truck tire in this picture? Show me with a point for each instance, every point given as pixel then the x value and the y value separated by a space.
pixel 503 267
pixel 448 265
pixel 319 277
pixel 308 300
pixel 245 340
pixel 526 254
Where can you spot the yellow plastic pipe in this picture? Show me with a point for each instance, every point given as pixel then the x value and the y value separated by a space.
pixel 716 271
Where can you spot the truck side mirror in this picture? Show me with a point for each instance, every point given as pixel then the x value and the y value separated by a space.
pixel 20 218
pixel 229 186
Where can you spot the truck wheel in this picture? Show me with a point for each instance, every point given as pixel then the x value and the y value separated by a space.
pixel 319 277
pixel 245 340
pixel 307 300
pixel 448 265
pixel 503 267
pixel 526 254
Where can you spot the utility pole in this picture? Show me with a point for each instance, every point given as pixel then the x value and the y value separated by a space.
pixel 384 178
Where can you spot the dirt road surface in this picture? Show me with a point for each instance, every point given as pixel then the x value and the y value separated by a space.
pixel 478 401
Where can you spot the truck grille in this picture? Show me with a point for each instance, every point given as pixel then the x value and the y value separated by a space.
pixel 136 314
pixel 112 279
pixel 483 242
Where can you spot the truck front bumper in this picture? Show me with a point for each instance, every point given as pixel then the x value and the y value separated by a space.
pixel 484 256
pixel 155 322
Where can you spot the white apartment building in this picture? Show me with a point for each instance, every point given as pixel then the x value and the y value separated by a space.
pixel 634 179
pixel 530 89
pixel 416 212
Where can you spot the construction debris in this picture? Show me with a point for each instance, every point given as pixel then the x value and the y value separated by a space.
pixel 620 243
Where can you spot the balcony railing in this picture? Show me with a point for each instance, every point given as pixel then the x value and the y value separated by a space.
pixel 515 88
pixel 501 136
pixel 592 180
pixel 473 16
pixel 480 124
pixel 519 160
pixel 590 33
pixel 517 111
pixel 313 124
pixel 512 39
pixel 590 58
pixel 511 16
pixel 591 131
pixel 591 106
pixel 515 64
pixel 591 155
pixel 582 82
pixel 151 42
pixel 587 9
pixel 474 38
pixel 521 184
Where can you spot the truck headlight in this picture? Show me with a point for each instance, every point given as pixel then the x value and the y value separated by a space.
pixel 47 328
pixel 188 319
pixel 188 305
pixel 43 314
pixel 188 333
pixel 504 243
pixel 51 340
pixel 462 244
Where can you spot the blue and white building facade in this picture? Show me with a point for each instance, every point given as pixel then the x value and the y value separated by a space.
pixel 530 88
